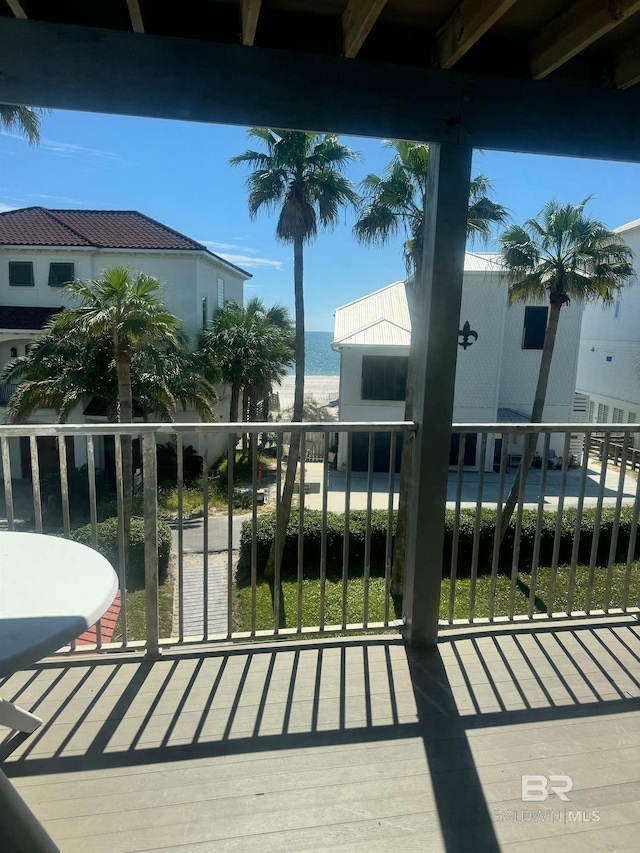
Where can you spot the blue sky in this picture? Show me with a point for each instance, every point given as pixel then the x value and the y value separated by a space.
pixel 178 173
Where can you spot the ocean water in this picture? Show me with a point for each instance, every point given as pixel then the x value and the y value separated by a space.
pixel 320 359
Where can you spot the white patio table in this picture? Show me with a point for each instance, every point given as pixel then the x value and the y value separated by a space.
pixel 51 591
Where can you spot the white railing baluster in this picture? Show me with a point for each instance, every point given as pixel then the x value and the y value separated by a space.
pixel 388 554
pixel 456 527
pixel 8 485
pixel 150 500
pixel 311 600
pixel 533 577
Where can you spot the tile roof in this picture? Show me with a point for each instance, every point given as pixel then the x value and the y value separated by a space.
pixel 105 229
pixel 25 317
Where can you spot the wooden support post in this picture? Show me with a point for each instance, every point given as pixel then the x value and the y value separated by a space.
pixel 434 345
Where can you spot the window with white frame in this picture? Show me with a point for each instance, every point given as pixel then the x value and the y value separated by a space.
pixel 603 413
pixel 592 407
pixel 21 274
pixel 60 274
pixel 618 416
pixel 631 418
pixel 220 293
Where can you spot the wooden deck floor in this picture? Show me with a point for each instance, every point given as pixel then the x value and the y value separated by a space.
pixel 344 745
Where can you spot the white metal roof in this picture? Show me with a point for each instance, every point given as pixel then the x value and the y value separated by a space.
pixel 628 227
pixel 382 318
pixel 482 262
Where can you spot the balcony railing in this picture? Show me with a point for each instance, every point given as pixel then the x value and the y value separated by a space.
pixel 569 551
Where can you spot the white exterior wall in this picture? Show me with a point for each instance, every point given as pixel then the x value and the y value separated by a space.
pixel 614 383
pixel 494 372
pixel 520 366
pixel 187 276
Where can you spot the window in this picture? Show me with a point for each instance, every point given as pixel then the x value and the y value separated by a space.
pixel 592 406
pixel 60 274
pixel 609 358
pixel 384 377
pixel 13 352
pixel 204 311
pixel 618 416
pixel 616 310
pixel 603 413
pixel 535 327
pixel 631 418
pixel 220 293
pixel 21 274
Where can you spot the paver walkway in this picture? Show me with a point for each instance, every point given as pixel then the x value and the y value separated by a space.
pixel 193 595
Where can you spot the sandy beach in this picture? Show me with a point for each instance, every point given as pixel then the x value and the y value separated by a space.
pixel 323 389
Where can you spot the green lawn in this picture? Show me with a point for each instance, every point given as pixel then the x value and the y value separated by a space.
pixel 136 614
pixel 355 589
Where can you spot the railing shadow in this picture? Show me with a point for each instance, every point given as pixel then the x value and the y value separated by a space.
pixel 339 695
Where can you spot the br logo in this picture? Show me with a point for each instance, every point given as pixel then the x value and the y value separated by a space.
pixel 536 789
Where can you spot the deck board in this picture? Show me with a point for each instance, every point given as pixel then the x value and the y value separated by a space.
pixel 344 745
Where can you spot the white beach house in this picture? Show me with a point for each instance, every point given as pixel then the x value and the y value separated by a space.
pixel 498 361
pixel 608 368
pixel 41 249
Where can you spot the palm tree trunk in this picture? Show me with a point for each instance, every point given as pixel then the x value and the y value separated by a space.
pixel 284 509
pixel 252 415
pixel 557 301
pixel 233 404
pixel 125 416
pixel 245 406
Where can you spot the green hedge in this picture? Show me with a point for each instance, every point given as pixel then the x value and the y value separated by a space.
pixel 108 546
pixel 357 533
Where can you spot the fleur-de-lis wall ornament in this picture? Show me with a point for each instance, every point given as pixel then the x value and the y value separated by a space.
pixel 468 336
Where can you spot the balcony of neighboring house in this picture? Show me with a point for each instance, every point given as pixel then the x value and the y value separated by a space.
pixel 163 727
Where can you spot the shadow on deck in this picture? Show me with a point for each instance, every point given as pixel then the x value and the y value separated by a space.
pixel 345 745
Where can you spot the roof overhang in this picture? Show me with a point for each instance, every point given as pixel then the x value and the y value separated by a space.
pixel 97 69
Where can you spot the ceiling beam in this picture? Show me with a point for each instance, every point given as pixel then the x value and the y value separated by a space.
pixel 249 12
pixel 468 22
pixel 583 23
pixel 109 71
pixel 135 13
pixel 17 7
pixel 357 21
pixel 626 69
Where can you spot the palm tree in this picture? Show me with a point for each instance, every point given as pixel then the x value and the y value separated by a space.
pixel 61 372
pixel 127 307
pixel 24 119
pixel 395 203
pixel 279 351
pixel 300 175
pixel 560 255
pixel 251 344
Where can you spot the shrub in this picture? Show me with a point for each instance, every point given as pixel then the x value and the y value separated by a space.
pixel 266 526
pixel 108 546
